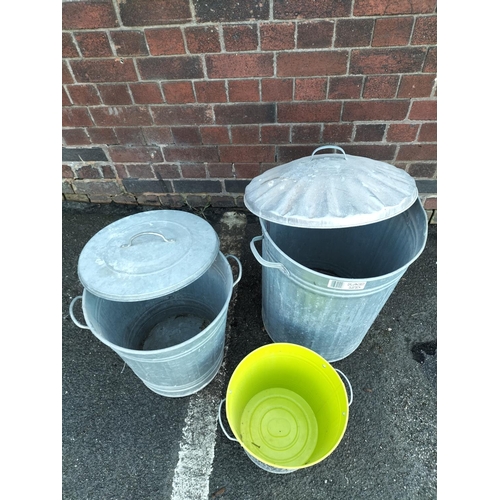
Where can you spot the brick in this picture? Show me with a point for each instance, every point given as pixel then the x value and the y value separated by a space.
pixel 430 203
pixel 245 134
pixel 139 186
pixel 136 154
pixel 67 172
pixel 83 154
pixel 375 110
pixel 353 32
pixel 246 170
pixel 202 39
pixel 312 63
pixel 129 43
pixel 277 36
pixel 423 110
pixel 240 37
pixel 138 171
pixel 214 135
pixel 286 154
pixel 221 170
pixel 425 32
pixel 172 200
pixel 90 187
pixel 121 116
pixel 307 9
pixel 211 91
pixel 157 135
pixel 75 137
pixel 426 186
pixel 389 7
pixel 87 172
pixel 197 186
pixel 76 117
pixel 334 133
pixel 310 89
pixel 166 171
pixel 236 114
pixel 306 134
pixel 402 132
pixel 170 68
pixel 243 90
pixel 239 65
pixel 246 154
pixel 182 115
pixel 178 92
pixel 67 188
pixel 345 87
pixel 309 112
pixel 231 10
pixel 146 93
pixel 104 70
pixel 377 61
pixel 430 64
pixel 66 101
pixel 115 94
pixel 236 185
pixel 186 135
pixel 108 172
pixel 66 75
pixel 94 44
pixel 88 15
pixel 428 132
pixel 275 134
pixel 416 85
pixel 125 199
pixel 68 46
pixel 130 136
pixel 101 135
pixel 417 152
pixel 369 133
pixel 193 171
pixel 277 89
pixel 84 95
pixel 425 170
pixel 380 87
pixel 381 152
pixel 392 31
pixel 191 153
pixel 154 12
pixel 314 34
pixel 165 41
pixel 222 201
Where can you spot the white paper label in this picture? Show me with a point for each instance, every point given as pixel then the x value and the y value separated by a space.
pixel 347 285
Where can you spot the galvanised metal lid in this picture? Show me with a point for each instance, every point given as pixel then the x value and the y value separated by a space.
pixel 330 191
pixel 147 255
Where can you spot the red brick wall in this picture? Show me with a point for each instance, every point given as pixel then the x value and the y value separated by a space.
pixel 167 102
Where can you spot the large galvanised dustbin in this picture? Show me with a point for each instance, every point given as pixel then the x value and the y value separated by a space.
pixel 157 291
pixel 338 233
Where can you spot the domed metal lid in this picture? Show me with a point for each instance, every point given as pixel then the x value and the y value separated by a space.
pixel 147 255
pixel 330 191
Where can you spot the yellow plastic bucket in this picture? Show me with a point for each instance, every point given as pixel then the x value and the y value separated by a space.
pixel 287 407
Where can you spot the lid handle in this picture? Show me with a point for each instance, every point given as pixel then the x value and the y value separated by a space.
pixel 329 147
pixel 145 233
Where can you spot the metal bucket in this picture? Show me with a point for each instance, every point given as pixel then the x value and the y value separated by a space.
pixel 323 288
pixel 173 343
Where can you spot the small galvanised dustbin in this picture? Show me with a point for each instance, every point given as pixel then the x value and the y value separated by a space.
pixel 157 291
pixel 338 233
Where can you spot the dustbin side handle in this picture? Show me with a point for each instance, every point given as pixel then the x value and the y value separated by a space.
pixel 222 425
pixel 263 262
pixel 329 147
pixel 75 321
pixel 239 267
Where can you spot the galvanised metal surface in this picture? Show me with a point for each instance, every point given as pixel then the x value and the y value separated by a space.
pixel 323 289
pixel 191 358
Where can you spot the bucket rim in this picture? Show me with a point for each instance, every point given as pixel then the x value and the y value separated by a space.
pixel 152 352
pixel 298 347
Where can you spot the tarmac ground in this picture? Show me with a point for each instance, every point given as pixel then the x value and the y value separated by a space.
pixel 122 441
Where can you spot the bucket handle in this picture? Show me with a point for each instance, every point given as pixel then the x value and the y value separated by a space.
pixel 263 262
pixel 348 383
pixel 329 147
pixel 239 267
pixel 75 321
pixel 222 425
